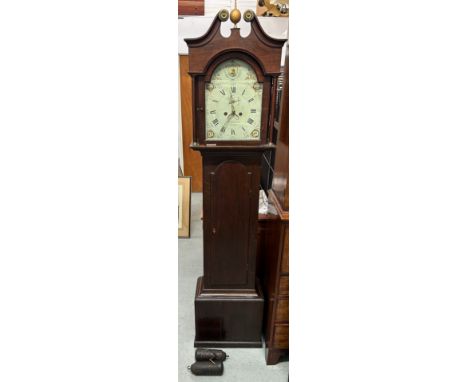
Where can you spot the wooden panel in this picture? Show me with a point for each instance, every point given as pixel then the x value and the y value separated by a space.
pixel 231 184
pixel 285 259
pixel 192 159
pixel 230 212
pixel 283 289
pixel 191 7
pixel 282 310
pixel 281 336
pixel 275 282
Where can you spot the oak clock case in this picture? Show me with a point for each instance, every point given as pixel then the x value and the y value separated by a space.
pixel 234 81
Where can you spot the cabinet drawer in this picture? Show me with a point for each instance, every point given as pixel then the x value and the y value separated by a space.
pixel 283 289
pixel 285 255
pixel 282 310
pixel 281 336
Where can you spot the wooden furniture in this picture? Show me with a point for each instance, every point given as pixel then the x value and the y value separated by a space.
pixel 274 275
pixel 234 83
pixel 191 7
pixel 192 159
pixel 268 158
pixel 273 248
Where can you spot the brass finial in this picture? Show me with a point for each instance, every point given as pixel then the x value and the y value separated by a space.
pixel 235 15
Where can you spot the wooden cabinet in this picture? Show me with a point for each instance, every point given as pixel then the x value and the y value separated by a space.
pixel 192 160
pixel 273 242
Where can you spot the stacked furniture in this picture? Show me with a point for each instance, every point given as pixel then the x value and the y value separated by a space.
pixel 273 242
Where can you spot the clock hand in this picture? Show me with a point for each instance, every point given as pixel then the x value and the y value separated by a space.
pixel 233 110
pixel 223 129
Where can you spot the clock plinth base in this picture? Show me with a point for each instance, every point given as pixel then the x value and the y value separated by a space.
pixel 228 320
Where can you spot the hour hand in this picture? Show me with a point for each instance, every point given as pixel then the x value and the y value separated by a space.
pixel 223 129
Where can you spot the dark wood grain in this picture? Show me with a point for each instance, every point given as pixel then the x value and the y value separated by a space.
pixel 228 321
pixel 231 193
pixel 273 246
pixel 283 289
pixel 229 302
pixel 273 356
pixel 273 236
pixel 282 310
pixel 280 184
pixel 281 336
pixel 285 257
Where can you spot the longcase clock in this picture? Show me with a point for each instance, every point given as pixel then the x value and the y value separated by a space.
pixel 234 86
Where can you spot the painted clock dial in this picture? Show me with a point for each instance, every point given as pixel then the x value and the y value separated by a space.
pixel 233 103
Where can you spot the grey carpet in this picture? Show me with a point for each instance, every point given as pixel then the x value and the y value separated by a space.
pixel 243 365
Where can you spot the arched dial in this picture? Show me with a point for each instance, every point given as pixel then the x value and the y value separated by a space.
pixel 233 103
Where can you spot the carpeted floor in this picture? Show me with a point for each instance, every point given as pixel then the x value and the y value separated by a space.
pixel 243 365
